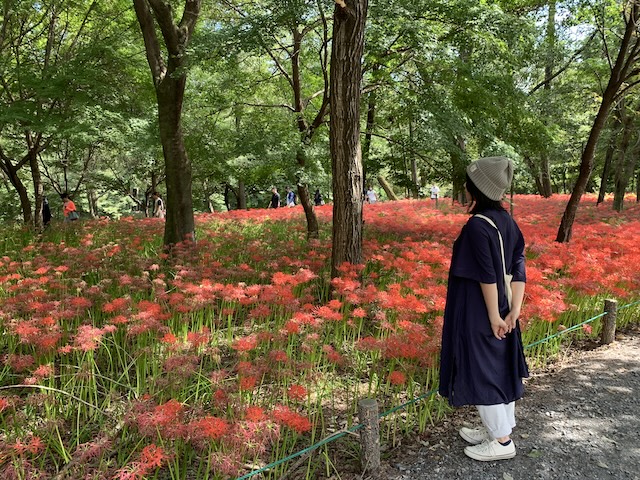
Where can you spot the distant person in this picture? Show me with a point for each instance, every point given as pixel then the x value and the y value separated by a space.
pixel 371 196
pixel 435 192
pixel 317 198
pixel 291 198
pixel 275 198
pixel 68 208
pixel 46 212
pixel 159 210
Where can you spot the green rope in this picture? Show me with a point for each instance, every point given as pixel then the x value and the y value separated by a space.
pixel 303 451
pixel 399 407
pixel 629 305
pixel 562 332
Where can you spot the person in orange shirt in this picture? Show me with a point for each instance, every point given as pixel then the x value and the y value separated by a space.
pixel 68 208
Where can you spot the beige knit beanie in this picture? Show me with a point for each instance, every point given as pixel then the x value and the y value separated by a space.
pixel 492 175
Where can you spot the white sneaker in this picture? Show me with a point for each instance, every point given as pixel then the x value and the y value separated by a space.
pixel 474 435
pixel 491 450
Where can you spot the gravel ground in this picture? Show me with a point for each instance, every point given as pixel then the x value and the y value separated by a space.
pixel 579 418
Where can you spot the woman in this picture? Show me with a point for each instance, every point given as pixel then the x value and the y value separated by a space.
pixel 68 208
pixel 158 206
pixel 482 361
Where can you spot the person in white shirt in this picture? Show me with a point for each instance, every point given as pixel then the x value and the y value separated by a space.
pixel 435 192
pixel 371 195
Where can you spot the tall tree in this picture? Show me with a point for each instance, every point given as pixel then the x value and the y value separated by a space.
pixel 624 71
pixel 169 78
pixel 56 64
pixel 627 154
pixel 349 20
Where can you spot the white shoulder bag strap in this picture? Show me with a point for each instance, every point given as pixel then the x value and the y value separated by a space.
pixel 507 277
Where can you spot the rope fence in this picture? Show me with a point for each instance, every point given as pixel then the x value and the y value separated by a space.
pixel 610 307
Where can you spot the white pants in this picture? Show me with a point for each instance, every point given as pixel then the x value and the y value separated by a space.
pixel 498 419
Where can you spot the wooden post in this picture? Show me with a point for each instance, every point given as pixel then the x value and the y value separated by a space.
pixel 369 435
pixel 608 334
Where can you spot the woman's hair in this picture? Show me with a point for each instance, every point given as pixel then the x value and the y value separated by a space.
pixel 482 202
pixel 64 195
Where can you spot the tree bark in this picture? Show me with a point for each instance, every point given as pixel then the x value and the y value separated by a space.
pixel 535 173
pixel 415 186
pixel 627 157
pixel 459 169
pixel 545 175
pixel 349 21
pixel 25 202
pixel 387 188
pixel 606 169
pixel 622 68
pixel 38 189
pixel 313 230
pixel 169 78
pixel 92 201
pixel 306 133
pixel 242 195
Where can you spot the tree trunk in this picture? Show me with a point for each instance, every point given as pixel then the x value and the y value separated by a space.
pixel 92 200
pixel 313 230
pixel 25 202
pixel 169 78
pixel 545 177
pixel 38 189
pixel 415 187
pixel 306 133
pixel 586 165
pixel 459 169
pixel 606 170
pixel 387 188
pixel 179 225
pixel 619 74
pixel 535 173
pixel 347 48
pixel 242 195
pixel 626 158
pixel 227 201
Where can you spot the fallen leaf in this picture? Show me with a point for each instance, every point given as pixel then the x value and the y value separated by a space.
pixel 534 454
pixel 506 476
pixel 603 465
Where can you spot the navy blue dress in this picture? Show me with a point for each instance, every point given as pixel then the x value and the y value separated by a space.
pixel 475 367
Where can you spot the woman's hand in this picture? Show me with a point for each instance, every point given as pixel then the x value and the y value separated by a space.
pixel 499 327
pixel 511 319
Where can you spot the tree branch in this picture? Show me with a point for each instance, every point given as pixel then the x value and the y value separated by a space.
pixel 154 56
pixel 164 17
pixel 288 107
pixel 567 65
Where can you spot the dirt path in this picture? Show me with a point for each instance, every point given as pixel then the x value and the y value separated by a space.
pixel 579 419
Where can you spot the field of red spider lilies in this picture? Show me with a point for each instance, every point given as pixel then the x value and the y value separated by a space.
pixel 118 362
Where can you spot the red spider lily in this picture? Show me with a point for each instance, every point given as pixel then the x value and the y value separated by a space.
pixel 285 416
pixel 245 344
pixel 397 378
pixel 197 339
pixel 332 355
pixel 19 363
pixel 254 414
pixel 297 392
pixel 248 383
pixel 43 371
pixel 88 337
pixel 208 428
